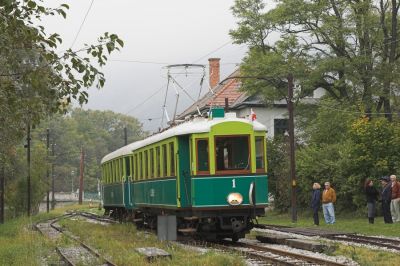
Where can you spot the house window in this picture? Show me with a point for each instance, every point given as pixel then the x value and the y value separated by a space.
pixel 232 153
pixel 260 153
pixel 280 126
pixel 172 158
pixel 202 156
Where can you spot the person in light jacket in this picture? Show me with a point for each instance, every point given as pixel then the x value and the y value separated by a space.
pixel 372 196
pixel 316 202
pixel 395 202
pixel 328 198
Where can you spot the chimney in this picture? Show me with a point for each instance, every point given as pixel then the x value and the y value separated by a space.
pixel 214 71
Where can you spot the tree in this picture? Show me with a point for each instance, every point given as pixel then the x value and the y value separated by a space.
pixel 349 48
pixel 35 79
pixel 98 132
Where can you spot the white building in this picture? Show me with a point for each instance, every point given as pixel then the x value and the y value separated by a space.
pixel 227 95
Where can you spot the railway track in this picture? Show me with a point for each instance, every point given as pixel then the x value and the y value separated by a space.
pixel 338 236
pixel 78 254
pixel 368 240
pixel 259 254
pixel 276 255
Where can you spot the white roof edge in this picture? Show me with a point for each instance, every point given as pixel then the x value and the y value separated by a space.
pixel 191 127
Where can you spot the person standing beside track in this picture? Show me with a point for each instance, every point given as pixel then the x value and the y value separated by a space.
pixel 328 198
pixel 386 199
pixel 316 202
pixel 372 195
pixel 395 202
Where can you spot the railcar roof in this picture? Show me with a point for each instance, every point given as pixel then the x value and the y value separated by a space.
pixel 198 125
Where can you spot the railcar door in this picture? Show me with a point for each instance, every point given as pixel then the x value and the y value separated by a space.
pixel 184 171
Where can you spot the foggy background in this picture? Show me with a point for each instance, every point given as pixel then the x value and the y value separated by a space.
pixel 155 33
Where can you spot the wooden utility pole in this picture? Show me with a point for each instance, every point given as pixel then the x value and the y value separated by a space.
pixel 2 197
pixel 53 199
pixel 292 149
pixel 81 176
pixel 48 170
pixel 28 161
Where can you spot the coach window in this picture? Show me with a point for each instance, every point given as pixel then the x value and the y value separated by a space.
pixel 128 167
pixel 107 173
pixel 141 165
pixel 260 154
pixel 146 165
pixel 131 168
pixel 164 157
pixel 152 163
pixel 158 162
pixel 112 172
pixel 202 156
pixel 120 173
pixel 172 158
pixel 135 169
pixel 232 154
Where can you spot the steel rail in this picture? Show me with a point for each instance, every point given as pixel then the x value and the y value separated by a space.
pixel 87 247
pixel 339 236
pixel 284 253
pixel 374 241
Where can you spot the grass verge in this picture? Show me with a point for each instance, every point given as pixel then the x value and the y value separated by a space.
pixel 118 242
pixel 343 224
pixel 19 245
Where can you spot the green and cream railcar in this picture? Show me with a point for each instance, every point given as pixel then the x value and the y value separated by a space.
pixel 210 173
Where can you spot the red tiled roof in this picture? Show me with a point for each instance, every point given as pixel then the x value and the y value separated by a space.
pixel 230 90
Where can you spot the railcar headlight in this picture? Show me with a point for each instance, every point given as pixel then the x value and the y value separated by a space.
pixel 235 199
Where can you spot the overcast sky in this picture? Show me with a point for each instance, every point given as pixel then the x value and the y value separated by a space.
pixel 161 32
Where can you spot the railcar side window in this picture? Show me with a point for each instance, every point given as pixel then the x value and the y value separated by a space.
pixel 158 173
pixel 141 165
pixel 260 153
pixel 152 163
pixel 232 153
pixel 202 155
pixel 112 172
pixel 120 168
pixel 128 166
pixel 131 168
pixel 164 156
pixel 146 165
pixel 136 169
pixel 172 158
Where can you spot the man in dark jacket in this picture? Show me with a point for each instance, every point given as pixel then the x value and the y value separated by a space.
pixel 386 199
pixel 316 202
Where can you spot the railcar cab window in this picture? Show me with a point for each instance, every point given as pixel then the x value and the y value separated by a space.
pixel 202 156
pixel 260 154
pixel 232 154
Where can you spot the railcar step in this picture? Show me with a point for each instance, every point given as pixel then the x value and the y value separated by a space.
pixel 187 230
pixel 191 218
